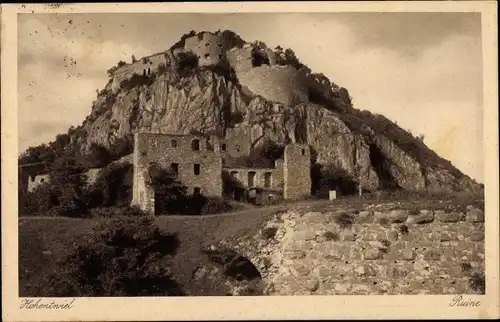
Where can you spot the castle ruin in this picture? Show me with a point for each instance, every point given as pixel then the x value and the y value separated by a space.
pixel 255 67
pixel 198 162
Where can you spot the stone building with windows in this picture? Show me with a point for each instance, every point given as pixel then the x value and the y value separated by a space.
pixel 198 162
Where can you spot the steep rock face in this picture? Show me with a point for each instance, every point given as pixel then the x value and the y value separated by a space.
pixel 336 144
pixel 208 102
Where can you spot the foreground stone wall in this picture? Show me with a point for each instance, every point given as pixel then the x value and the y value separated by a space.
pixel 381 252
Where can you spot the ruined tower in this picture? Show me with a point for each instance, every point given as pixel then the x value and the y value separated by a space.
pixel 296 171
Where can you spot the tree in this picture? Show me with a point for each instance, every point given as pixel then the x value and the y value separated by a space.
pixel 134 59
pixel 170 194
pixel 113 186
pixel 67 183
pixel 122 146
pixel 98 156
pixel 187 63
pixel 124 256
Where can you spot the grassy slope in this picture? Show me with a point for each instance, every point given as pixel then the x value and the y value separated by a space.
pixel 55 235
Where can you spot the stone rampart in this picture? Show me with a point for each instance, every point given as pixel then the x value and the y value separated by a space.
pixel 398 251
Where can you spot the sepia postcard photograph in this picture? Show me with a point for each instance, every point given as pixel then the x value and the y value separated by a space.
pixel 250 160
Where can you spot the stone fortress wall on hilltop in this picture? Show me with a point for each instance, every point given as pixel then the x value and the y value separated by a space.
pixel 283 84
pixel 144 66
pixel 209 47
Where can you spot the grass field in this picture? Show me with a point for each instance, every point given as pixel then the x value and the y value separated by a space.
pixel 44 240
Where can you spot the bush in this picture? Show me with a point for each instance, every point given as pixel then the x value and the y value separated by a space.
pixel 403 229
pixel 187 63
pixel 344 220
pixel 170 194
pixel 125 256
pixel 62 196
pixel 39 202
pixel 269 232
pixel 331 236
pixel 99 156
pixel 329 177
pixel 113 186
pixel 477 283
pixel 137 81
pixel 214 205
pixel 223 68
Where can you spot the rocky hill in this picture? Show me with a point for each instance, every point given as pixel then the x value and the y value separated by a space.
pixel 279 99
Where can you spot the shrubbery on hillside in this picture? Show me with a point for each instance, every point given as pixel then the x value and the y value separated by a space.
pixel 171 196
pixel 64 195
pixel 326 178
pixel 187 63
pixel 113 187
pixel 137 81
pixel 125 256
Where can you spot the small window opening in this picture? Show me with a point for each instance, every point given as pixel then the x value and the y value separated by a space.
pixel 174 167
pixel 143 72
pixel 195 145
pixel 220 45
pixel 237 148
pixel 251 178
pixel 149 71
pixel 303 151
pixel 196 169
pixel 173 143
pixel 267 179
pixel 220 56
pixel 197 191
pixel 223 147
pixel 42 180
pixel 207 44
pixel 207 55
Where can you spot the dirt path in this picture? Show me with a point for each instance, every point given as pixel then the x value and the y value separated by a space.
pixel 247 211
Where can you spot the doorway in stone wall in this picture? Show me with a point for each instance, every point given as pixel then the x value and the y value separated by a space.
pixel 251 178
pixel 267 179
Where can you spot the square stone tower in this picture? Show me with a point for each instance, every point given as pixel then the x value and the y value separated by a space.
pixel 297 171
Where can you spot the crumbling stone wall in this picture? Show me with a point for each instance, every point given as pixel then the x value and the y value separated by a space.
pixel 92 174
pixel 283 84
pixel 274 181
pixel 209 47
pixel 199 168
pixel 241 58
pixel 237 142
pixel 297 171
pixel 34 182
pixel 143 66
pixel 40 179
pixel 381 251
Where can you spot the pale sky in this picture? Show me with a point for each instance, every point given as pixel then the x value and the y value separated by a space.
pixel 422 70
